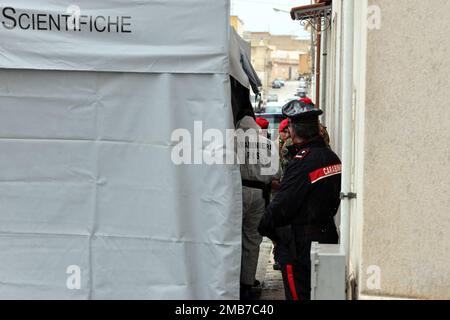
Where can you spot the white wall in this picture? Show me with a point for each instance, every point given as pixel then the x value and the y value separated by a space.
pixel 406 191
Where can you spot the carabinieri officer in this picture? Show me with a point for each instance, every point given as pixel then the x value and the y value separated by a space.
pixel 308 200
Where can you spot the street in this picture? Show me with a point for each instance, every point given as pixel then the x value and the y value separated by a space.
pixel 286 92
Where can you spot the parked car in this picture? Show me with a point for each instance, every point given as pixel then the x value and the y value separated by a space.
pixel 283 83
pixel 274 107
pixel 301 92
pixel 272 97
pixel 303 84
pixel 276 85
pixel 273 114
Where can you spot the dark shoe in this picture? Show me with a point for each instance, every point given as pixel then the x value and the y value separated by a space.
pixel 276 266
pixel 250 293
pixel 246 293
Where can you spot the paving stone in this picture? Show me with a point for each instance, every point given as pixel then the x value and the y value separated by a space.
pixel 272 282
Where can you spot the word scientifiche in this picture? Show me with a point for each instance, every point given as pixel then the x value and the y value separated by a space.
pixel 11 19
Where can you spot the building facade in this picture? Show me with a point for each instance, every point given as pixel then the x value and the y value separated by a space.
pixel 262 62
pixel 286 64
pixel 396 143
pixel 384 87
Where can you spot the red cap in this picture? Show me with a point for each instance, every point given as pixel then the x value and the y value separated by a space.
pixel 283 125
pixel 306 100
pixel 263 123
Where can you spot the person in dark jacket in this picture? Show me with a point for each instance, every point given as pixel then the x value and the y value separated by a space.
pixel 309 197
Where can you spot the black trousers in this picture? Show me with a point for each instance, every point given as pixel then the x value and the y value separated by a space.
pixel 297 284
pixel 297 277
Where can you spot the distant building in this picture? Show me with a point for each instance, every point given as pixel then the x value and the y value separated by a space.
pixel 286 64
pixel 305 65
pixel 289 43
pixel 262 62
pixel 284 55
pixel 238 25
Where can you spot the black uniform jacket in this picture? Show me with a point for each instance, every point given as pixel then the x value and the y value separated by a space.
pixel 309 195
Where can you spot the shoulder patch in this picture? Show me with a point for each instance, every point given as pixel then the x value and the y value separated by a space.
pixel 302 154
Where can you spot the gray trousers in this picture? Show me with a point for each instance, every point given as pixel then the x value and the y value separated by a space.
pixel 254 206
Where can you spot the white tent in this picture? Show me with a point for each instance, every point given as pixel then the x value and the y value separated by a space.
pixel 91 205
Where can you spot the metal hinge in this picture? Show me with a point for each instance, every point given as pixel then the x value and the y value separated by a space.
pixel 349 196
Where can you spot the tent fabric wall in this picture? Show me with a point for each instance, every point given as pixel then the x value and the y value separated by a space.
pixel 86 177
pixel 173 36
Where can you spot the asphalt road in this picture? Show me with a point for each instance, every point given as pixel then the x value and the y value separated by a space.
pixel 288 91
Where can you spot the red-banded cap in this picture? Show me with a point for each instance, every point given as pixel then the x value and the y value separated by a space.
pixel 302 109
